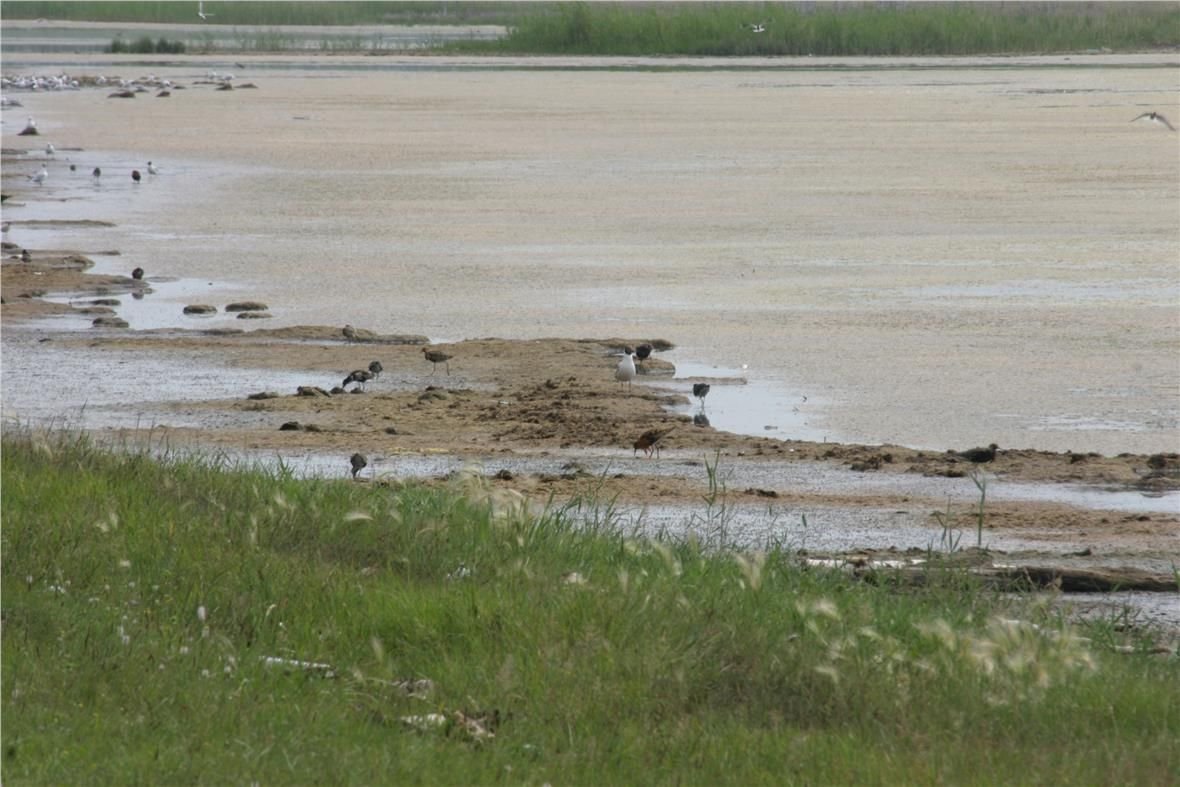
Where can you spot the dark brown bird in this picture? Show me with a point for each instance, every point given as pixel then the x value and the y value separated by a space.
pixel 436 357
pixel 978 455
pixel 358 376
pixel 700 391
pixel 349 333
pixel 137 274
pixel 649 441
pixel 643 352
pixel 136 176
pixel 25 256
pixel 358 463
pixel 375 368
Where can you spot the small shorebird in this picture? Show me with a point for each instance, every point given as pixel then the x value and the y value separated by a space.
pixel 1155 117
pixel 97 173
pixel 700 391
pixel 643 352
pixel 436 357
pixel 625 371
pixel 375 368
pixel 153 169
pixel 349 333
pixel 135 176
pixel 358 463
pixel 40 177
pixel 649 441
pixel 137 274
pixel 25 256
pixel 978 455
pixel 358 376
pixel 50 149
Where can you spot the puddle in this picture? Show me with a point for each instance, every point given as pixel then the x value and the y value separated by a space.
pixel 740 402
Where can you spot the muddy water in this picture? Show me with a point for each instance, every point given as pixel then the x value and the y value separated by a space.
pixel 933 256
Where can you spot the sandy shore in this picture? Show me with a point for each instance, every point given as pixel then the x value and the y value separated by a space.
pixel 497 401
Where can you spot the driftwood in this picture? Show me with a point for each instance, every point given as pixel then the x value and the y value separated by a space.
pixel 1067 579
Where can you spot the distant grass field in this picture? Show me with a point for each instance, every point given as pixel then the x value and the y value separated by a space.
pixel 725 29
pixel 164 622
pixel 687 28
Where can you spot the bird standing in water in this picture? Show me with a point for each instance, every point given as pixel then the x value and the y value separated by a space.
pixel 358 376
pixel 358 462
pixel 625 371
pixel 700 391
pixel 135 176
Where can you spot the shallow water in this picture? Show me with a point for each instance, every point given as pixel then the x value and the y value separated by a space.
pixel 935 257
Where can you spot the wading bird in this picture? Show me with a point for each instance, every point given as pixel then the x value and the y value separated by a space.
pixel 358 376
pixel 358 463
pixel 97 173
pixel 436 357
pixel 700 391
pixel 135 176
pixel 375 368
pixel 649 441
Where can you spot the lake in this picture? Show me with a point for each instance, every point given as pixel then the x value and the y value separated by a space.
pixel 935 253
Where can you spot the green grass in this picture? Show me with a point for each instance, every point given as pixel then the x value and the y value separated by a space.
pixel 141 596
pixel 694 28
pixel 723 29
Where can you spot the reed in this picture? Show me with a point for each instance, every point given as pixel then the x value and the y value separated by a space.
pixel 174 618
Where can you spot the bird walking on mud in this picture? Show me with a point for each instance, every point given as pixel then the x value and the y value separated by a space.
pixel 978 455
pixel 436 357
pixel 349 333
pixel 625 371
pixel 358 463
pixel 375 369
pixel 358 376
pixel 1156 117
pixel 649 441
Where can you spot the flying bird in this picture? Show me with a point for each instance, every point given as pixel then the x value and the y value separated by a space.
pixel 1155 117
pixel 201 11
pixel 436 357
pixel 358 463
pixel 625 371
pixel 649 441
pixel 978 455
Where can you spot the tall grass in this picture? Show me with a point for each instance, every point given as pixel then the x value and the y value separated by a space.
pixel 162 620
pixel 724 29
